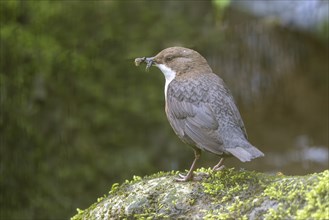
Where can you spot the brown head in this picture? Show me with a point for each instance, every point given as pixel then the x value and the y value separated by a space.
pixel 180 60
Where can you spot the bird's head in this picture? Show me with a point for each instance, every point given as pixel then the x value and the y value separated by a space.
pixel 178 61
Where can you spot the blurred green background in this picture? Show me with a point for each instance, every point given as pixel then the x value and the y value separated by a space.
pixel 78 116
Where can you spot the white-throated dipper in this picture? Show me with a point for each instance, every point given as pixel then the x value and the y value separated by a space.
pixel 200 108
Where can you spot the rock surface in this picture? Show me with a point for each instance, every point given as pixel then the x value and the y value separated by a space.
pixel 228 194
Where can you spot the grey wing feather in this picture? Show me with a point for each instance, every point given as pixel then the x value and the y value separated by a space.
pixel 228 101
pixel 194 124
pixel 236 115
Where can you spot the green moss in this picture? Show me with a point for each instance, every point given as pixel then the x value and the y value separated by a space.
pixel 229 194
pixel 234 188
pixel 317 200
pixel 300 197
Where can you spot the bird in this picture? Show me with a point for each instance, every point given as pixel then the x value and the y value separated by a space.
pixel 200 108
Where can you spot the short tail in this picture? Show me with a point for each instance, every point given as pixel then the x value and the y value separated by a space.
pixel 245 152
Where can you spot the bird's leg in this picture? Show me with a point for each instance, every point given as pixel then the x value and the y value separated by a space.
pixel 189 175
pixel 219 166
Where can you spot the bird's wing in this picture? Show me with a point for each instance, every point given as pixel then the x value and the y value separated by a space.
pixel 194 121
pixel 232 108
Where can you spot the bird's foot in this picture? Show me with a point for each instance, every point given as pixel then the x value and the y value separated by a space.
pixel 183 178
pixel 218 168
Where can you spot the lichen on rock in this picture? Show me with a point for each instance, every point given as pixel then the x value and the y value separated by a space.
pixel 228 194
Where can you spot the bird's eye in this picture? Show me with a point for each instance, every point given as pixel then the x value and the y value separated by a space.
pixel 169 58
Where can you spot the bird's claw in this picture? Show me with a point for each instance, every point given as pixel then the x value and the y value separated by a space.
pixel 218 168
pixel 181 175
pixel 183 178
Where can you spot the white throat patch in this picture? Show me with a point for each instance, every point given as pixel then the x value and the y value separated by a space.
pixel 169 75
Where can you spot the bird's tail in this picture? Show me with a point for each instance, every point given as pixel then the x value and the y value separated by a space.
pixel 244 151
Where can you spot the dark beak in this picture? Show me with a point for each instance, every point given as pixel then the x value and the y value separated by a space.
pixel 149 62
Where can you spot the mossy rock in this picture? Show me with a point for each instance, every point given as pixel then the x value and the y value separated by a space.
pixel 228 194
